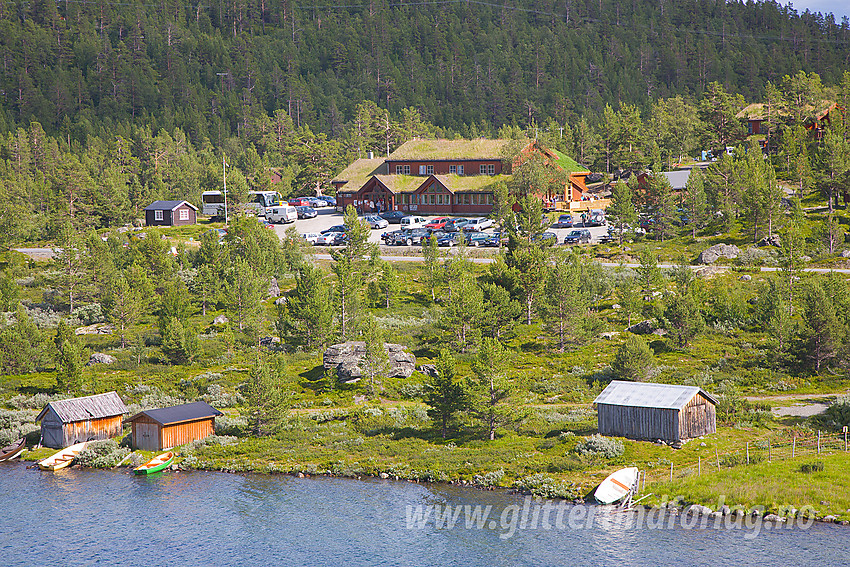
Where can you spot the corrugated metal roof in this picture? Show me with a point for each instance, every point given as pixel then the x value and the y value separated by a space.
pixel 646 395
pixel 167 205
pixel 176 414
pixel 88 407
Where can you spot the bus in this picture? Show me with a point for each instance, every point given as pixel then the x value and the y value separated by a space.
pixel 212 202
pixel 262 200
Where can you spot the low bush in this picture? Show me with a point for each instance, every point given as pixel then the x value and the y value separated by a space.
pixel 812 467
pixel 544 486
pixel 102 454
pixel 602 446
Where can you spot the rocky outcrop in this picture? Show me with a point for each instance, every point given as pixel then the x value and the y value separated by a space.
pixel 274 288
pixel 642 328
pixel 96 329
pixel 220 320
pixel 772 240
pixel 346 358
pixel 100 358
pixel 714 253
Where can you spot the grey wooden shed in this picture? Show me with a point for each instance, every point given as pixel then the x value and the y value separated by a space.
pixel 91 418
pixel 640 410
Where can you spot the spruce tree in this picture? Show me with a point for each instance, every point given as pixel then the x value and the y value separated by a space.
pixel 444 395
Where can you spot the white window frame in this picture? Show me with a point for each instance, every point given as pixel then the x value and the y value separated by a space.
pixel 429 170
pixel 482 169
pixel 452 169
pixel 422 170
pixel 399 169
pixel 460 170
pixel 491 169
pixel 406 170
pixel 184 214
pixel 157 215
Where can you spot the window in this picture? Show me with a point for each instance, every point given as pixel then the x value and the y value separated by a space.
pixel 157 215
pixel 184 214
pixel 482 169
pixel 491 169
pixel 399 169
pixel 407 170
pixel 460 170
pixel 466 199
pixel 421 170
pixel 452 169
pixel 429 169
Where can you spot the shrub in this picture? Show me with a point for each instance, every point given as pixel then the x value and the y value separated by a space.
pixel 16 424
pixel 838 414
pixel 488 480
pixel 543 486
pixel 599 445
pixel 87 315
pixel 102 454
pixel 812 467
pixel 633 359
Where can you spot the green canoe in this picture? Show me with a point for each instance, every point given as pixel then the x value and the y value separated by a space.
pixel 156 464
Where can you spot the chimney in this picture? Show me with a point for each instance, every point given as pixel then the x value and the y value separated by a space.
pixel 370 155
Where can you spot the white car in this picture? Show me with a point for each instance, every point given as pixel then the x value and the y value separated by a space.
pixel 478 224
pixel 412 221
pixel 311 237
pixel 325 239
pixel 376 222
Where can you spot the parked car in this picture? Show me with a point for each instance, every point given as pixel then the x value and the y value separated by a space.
pixel 455 224
pixel 449 239
pixel 478 224
pixel 393 217
pixel 390 236
pixel 413 221
pixel 596 217
pixel 564 221
pixel 410 237
pixel 477 238
pixel 437 223
pixel 282 213
pixel 336 228
pixel 375 221
pixel 340 239
pixel 326 238
pixel 300 202
pixel 317 203
pixel 546 238
pixel 331 201
pixel 311 237
pixel 495 239
pixel 306 212
pixel 578 237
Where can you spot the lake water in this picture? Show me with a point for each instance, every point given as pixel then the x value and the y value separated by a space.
pixel 87 517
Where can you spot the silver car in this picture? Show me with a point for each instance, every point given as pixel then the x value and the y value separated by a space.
pixel 375 221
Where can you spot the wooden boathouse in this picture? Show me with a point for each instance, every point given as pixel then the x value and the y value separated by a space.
pixel 639 410
pixel 90 418
pixel 164 428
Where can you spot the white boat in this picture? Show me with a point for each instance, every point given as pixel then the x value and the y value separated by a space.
pixel 616 486
pixel 61 459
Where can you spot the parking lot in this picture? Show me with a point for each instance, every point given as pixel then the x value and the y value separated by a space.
pixel 329 217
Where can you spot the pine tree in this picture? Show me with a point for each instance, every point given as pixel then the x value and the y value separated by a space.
pixel 490 387
pixel 70 358
pixel 695 202
pixel 633 359
pixel 684 321
pixel 562 304
pixel 265 395
pixel 310 307
pixel 622 213
pixel 823 332
pixel 122 306
pixel 444 395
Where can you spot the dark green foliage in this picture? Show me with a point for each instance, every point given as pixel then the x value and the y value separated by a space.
pixel 444 395
pixel 23 347
pixel 489 388
pixel 265 397
pixel 683 319
pixel 823 331
pixel 70 359
pixel 808 468
pixel 309 308
pixel 633 359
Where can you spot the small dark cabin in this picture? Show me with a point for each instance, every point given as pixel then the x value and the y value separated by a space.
pixel 639 410
pixel 170 213
pixel 158 429
pixel 91 418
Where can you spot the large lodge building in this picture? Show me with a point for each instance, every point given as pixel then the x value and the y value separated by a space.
pixel 451 177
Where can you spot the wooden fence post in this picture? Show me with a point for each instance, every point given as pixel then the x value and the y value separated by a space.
pixel 818 441
pixel 671 472
pixel 793 447
pixel 699 466
pixel 717 457
pixel 845 438
pixel 768 450
pixel 748 452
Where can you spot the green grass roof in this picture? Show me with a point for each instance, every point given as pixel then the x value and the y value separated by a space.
pixel 480 148
pixel 401 183
pixel 359 172
pixel 567 163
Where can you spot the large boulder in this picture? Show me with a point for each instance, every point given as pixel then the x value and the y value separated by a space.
pixel 347 357
pixel 772 240
pixel 100 358
pixel 642 328
pixel 274 288
pixel 714 253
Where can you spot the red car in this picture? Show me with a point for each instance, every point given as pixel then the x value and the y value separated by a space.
pixel 438 223
pixel 300 202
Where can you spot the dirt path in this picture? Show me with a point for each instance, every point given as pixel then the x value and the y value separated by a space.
pixel 802 405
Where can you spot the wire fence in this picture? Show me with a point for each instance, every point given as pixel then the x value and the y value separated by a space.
pixel 753 452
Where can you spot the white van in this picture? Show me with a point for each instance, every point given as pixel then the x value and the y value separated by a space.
pixel 282 213
pixel 412 221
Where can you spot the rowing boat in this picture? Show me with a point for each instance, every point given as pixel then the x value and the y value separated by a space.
pixel 9 452
pixel 156 464
pixel 616 486
pixel 62 459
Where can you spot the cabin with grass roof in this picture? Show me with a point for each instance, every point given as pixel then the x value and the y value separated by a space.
pixel 447 177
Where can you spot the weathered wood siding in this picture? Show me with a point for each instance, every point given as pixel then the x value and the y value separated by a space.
pixel 182 433
pixel 638 422
pixel 697 418
pixel 57 435
pixel 146 434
